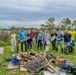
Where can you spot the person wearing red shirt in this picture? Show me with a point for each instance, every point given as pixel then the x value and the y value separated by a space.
pixel 33 36
pixel 32 33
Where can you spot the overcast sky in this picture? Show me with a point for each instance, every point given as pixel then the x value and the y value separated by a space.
pixel 31 13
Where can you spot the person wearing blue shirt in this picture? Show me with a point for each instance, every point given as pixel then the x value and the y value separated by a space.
pixel 59 40
pixel 23 35
pixel 40 39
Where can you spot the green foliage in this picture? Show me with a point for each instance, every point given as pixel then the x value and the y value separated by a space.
pixel 74 23
pixel 63 27
pixel 2 43
pixel 4 38
pixel 66 22
pixel 8 53
pixel 49 24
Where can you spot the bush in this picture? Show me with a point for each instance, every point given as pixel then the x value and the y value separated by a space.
pixel 2 43
pixel 4 38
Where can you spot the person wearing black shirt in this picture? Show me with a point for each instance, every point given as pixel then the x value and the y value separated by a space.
pixel 67 38
pixel 36 35
pixel 29 41
pixel 53 39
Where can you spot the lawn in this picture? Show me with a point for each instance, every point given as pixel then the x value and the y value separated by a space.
pixel 7 53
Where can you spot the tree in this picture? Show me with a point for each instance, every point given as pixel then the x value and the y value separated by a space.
pixel 42 26
pixel 62 27
pixel 74 23
pixel 66 22
pixel 49 24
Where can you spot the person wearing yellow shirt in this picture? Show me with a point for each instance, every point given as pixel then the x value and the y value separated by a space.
pixel 73 34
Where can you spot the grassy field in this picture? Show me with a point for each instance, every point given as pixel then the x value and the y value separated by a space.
pixel 7 53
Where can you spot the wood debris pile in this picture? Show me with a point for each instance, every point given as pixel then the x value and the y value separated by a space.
pixel 35 62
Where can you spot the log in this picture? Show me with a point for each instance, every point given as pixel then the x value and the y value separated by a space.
pixel 24 39
pixel 50 70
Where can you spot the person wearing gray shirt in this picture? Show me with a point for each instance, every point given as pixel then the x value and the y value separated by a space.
pixel 47 37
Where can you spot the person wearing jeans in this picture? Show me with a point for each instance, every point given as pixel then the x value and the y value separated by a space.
pixel 67 43
pixel 67 38
pixel 40 39
pixel 59 40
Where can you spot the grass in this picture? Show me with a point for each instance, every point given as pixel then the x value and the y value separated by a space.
pixel 7 53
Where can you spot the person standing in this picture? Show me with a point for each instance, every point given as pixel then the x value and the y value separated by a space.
pixel 40 39
pixel 29 41
pixel 13 41
pixel 33 37
pixel 23 35
pixel 32 33
pixel 43 32
pixel 73 34
pixel 46 38
pixel 36 35
pixel 59 40
pixel 53 39
pixel 67 38
pixel 17 41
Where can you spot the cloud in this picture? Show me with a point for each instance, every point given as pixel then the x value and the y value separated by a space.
pixel 30 5
pixel 27 24
pixel 20 11
pixel 42 6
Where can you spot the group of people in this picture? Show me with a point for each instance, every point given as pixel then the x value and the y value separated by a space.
pixel 40 38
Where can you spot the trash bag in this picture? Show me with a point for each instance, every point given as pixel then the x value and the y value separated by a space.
pixel 69 49
pixel 8 58
pixel 74 71
pixel 48 43
pixel 66 67
pixel 15 61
